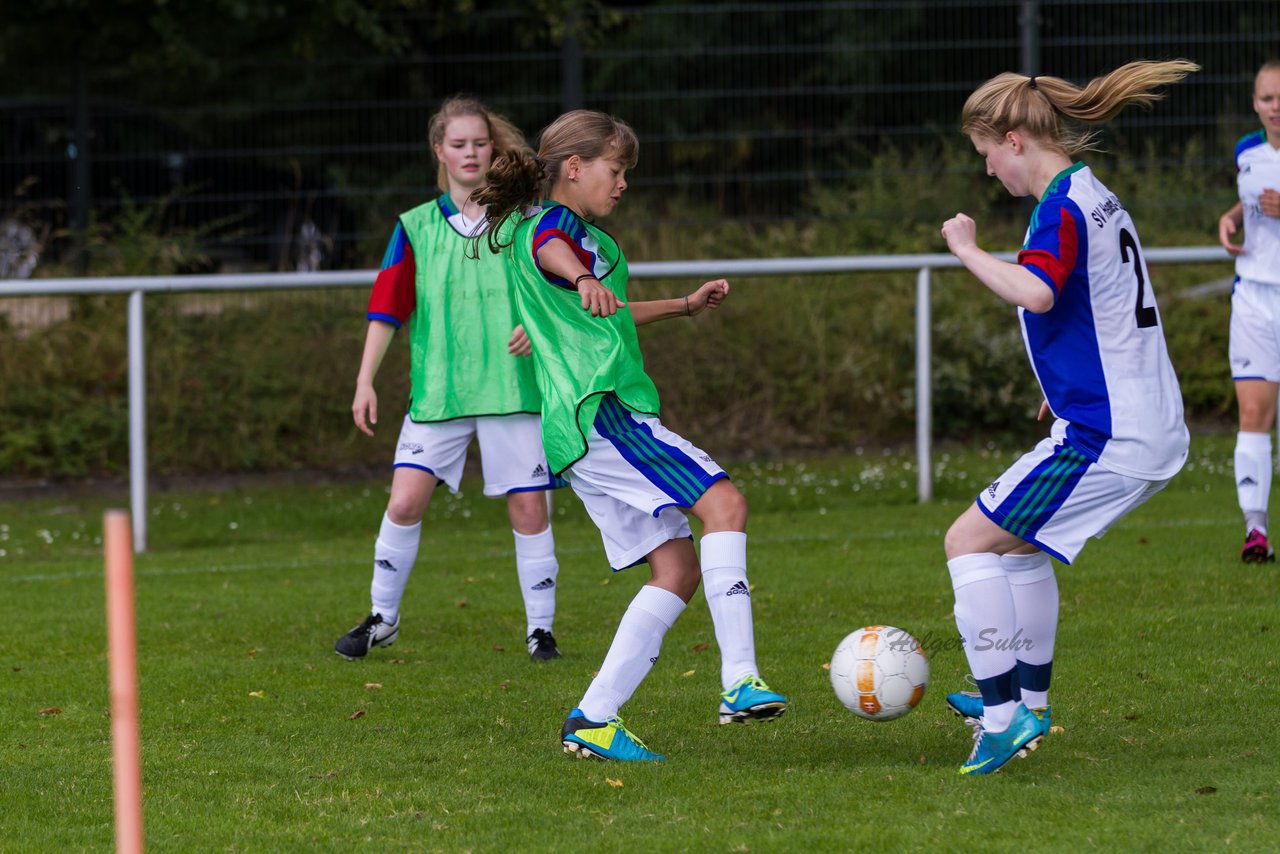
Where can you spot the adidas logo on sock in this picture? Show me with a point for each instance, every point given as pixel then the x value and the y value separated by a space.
pixel 1248 481
pixel 385 564
pixel 653 660
pixel 539 471
pixel 544 584
pixel 739 588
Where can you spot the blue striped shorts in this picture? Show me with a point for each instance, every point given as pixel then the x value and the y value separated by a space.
pixel 636 479
pixel 1056 498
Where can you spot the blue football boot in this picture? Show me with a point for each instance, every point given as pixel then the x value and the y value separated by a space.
pixel 588 739
pixel 750 700
pixel 968 705
pixel 991 750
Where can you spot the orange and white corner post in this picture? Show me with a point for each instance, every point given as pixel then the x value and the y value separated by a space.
pixel 122 661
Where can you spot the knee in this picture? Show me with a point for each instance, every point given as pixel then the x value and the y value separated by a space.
pixel 684 584
pixel 957 540
pixel 1257 408
pixel 528 512
pixel 728 512
pixel 407 509
pixel 1255 418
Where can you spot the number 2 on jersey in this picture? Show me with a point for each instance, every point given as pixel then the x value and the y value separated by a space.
pixel 1145 314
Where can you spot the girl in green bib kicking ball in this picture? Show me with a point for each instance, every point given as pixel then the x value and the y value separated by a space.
pixel 471 378
pixel 600 424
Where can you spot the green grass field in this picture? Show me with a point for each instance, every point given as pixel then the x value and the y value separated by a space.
pixel 256 737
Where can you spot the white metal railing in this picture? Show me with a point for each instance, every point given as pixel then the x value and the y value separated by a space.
pixel 136 286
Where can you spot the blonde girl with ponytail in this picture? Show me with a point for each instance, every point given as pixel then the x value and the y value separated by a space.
pixel 1095 339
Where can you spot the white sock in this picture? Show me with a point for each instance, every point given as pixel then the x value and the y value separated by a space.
pixel 1253 474
pixel 537 569
pixel 633 652
pixel 393 556
pixel 724 582
pixel 985 617
pixel 1035 603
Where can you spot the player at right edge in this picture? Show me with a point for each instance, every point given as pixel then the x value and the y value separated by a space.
pixel 1092 332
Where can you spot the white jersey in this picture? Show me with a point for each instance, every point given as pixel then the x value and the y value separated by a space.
pixel 1099 353
pixel 1258 168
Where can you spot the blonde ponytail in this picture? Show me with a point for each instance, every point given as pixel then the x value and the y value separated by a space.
pixel 1037 105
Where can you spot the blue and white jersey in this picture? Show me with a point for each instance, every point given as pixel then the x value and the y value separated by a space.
pixel 560 223
pixel 1258 168
pixel 1099 353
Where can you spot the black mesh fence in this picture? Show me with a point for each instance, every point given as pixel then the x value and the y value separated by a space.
pixel 747 113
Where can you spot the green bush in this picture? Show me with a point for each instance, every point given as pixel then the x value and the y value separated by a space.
pixel 263 381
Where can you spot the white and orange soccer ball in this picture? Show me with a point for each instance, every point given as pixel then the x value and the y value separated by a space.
pixel 879 672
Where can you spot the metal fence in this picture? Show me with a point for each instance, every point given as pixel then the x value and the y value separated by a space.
pixel 744 109
pixel 136 287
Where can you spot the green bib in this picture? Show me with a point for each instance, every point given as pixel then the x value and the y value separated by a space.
pixel 577 357
pixel 459 329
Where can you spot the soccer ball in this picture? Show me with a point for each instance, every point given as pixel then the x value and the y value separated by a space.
pixel 879 672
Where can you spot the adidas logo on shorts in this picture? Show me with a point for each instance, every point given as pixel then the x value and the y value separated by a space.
pixel 539 471
pixel 991 490
pixel 739 589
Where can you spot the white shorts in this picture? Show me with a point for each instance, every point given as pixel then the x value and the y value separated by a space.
pixel 633 479
pixel 1057 498
pixel 1255 331
pixel 511 455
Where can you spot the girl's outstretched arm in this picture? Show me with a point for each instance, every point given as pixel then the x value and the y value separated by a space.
pixel 709 295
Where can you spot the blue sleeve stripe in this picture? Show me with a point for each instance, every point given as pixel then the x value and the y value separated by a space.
pixel 395 248
pixel 1250 140
pixel 385 318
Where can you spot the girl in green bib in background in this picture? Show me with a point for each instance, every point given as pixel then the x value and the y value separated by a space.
pixel 600 422
pixel 471 378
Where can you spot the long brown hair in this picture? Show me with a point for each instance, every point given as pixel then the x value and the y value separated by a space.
pixel 505 136
pixel 518 179
pixel 1038 105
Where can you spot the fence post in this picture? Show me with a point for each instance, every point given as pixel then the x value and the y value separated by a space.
pixel 79 151
pixel 571 67
pixel 924 389
pixel 1029 37
pixel 137 422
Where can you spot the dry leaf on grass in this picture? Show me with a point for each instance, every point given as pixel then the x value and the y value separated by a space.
pixel 52 710
pixel 358 713
pixel 617 784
